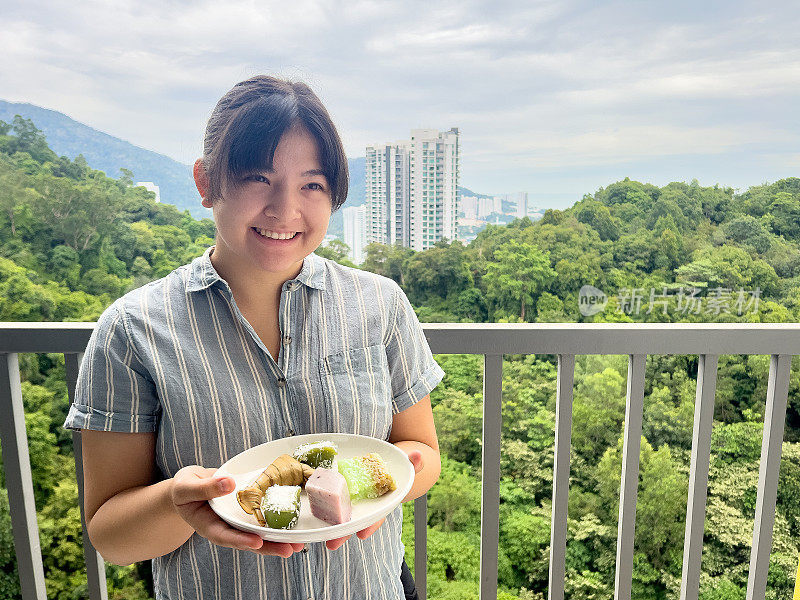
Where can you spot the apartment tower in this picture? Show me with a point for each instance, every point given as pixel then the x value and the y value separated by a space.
pixel 412 189
pixel 355 231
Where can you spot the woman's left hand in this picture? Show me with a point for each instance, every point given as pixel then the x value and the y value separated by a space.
pixel 415 456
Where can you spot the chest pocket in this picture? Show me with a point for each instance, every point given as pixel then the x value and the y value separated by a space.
pixel 356 385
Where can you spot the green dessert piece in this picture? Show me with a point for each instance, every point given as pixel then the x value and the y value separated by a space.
pixel 366 476
pixel 316 454
pixel 281 506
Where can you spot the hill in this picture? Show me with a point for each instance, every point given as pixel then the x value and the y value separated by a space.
pixel 68 137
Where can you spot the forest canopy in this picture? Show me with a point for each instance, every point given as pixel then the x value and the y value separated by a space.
pixel 72 240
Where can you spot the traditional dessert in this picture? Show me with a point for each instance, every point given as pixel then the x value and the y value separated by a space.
pixel 367 476
pixel 316 454
pixel 284 470
pixel 281 506
pixel 328 496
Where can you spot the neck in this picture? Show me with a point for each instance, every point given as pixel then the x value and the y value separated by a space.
pixel 251 287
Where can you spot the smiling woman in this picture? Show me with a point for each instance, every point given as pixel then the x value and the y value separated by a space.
pixel 268 223
pixel 257 340
pixel 273 169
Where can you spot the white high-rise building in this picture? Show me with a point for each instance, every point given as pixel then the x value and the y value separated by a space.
pixel 522 204
pixel 469 206
pixel 150 187
pixel 497 205
pixel 412 189
pixel 520 199
pixel 387 191
pixel 355 231
pixel 485 207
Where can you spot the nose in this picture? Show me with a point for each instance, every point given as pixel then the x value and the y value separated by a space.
pixel 283 205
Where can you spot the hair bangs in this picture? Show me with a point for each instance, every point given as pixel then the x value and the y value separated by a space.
pixel 253 136
pixel 248 122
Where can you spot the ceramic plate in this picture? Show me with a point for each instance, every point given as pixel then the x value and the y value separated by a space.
pixel 247 466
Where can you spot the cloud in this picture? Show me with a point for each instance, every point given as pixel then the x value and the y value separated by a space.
pixel 571 87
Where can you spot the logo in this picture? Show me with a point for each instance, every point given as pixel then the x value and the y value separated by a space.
pixel 591 300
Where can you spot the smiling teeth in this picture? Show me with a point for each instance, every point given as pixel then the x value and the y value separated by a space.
pixel 275 236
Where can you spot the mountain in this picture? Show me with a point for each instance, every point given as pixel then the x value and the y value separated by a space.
pixel 462 191
pixel 109 154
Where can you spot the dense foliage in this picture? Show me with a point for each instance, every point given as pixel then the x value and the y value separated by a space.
pixel 72 240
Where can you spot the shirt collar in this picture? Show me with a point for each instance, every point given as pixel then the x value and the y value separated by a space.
pixel 202 273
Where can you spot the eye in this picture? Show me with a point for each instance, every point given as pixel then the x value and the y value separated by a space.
pixel 259 178
pixel 318 187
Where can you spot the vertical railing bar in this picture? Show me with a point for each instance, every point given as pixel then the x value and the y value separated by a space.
pixel 768 471
pixel 421 546
pixel 629 484
pixel 698 475
pixel 95 565
pixel 561 466
pixel 490 481
pixel 19 482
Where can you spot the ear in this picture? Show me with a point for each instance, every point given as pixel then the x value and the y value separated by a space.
pixel 201 181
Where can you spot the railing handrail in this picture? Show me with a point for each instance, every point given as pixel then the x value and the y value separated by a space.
pixel 566 340
pixel 504 338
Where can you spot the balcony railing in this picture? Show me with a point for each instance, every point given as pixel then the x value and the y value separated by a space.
pixel 566 340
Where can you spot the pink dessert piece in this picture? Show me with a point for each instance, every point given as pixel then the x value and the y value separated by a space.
pixel 328 496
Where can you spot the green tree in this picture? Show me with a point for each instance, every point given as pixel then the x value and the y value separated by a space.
pixel 389 261
pixel 597 215
pixel 77 214
pixel 454 503
pixel 785 211
pixel 15 193
pixel 9 576
pixel 729 267
pixel 337 251
pixel 439 271
pixel 29 139
pixel 660 513
pixel 598 412
pixel 519 274
pixel 459 423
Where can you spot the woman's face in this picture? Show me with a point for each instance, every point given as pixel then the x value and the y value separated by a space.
pixel 293 198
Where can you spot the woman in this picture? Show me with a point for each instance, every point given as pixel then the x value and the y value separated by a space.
pixel 256 340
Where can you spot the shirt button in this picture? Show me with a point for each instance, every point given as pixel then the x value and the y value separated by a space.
pixel 293 286
pixel 305 551
pixel 281 382
pixel 291 431
pixel 287 339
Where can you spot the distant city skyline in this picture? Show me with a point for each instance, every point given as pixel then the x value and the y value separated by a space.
pixel 558 98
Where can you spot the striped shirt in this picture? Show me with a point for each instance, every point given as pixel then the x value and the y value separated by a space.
pixel 177 357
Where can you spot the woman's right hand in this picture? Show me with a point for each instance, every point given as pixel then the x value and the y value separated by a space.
pixel 191 489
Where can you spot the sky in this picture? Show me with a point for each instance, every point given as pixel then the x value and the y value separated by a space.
pixel 556 98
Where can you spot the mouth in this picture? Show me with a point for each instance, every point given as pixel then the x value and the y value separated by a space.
pixel 276 236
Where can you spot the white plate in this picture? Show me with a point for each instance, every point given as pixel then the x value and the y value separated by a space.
pixel 245 467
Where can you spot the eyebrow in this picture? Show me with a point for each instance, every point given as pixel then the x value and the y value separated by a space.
pixel 308 173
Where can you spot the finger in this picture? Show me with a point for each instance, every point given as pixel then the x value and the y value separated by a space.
pixel 415 456
pixel 365 533
pixel 282 549
pixel 193 489
pixel 337 543
pixel 206 522
pixel 298 547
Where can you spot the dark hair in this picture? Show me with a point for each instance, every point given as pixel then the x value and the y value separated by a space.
pixel 248 122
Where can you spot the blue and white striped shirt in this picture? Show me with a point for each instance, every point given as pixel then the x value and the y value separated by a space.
pixel 178 358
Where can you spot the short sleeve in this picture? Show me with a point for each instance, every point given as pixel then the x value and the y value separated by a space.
pixel 114 391
pixel 414 372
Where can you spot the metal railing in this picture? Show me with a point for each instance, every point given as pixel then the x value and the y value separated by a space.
pixel 566 340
